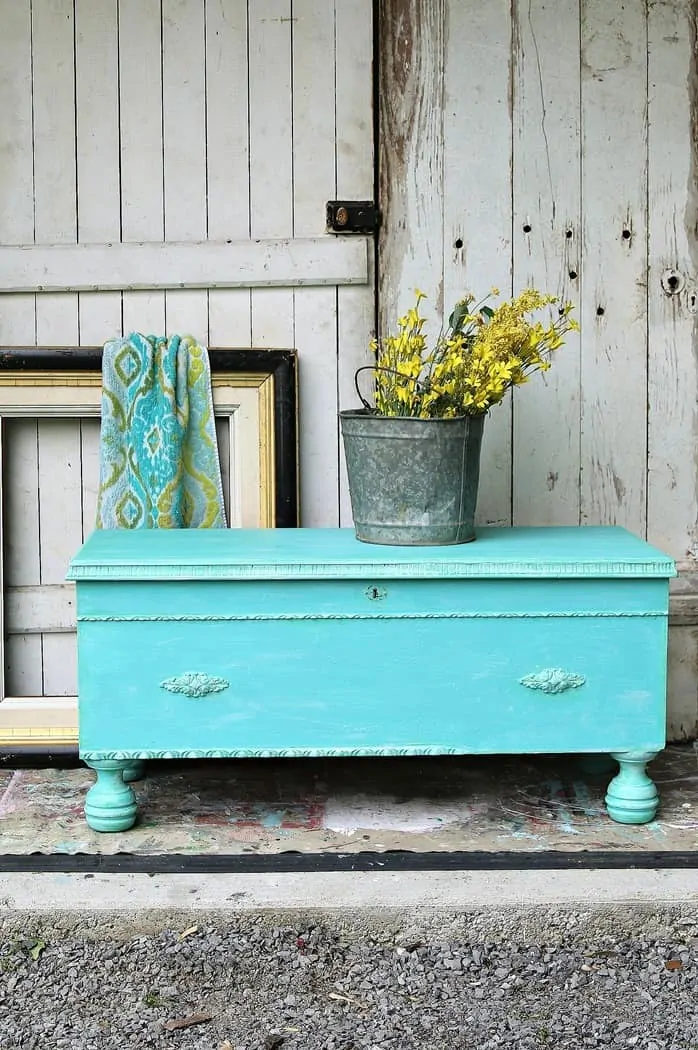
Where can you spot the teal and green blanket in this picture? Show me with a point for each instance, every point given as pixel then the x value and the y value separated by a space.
pixel 159 466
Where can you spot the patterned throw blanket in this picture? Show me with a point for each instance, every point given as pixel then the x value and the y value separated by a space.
pixel 159 466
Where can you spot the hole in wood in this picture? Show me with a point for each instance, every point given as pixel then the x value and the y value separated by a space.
pixel 673 282
pixel 458 243
pixel 568 234
pixel 626 235
pixel 600 311
pixel 527 227
pixel 573 275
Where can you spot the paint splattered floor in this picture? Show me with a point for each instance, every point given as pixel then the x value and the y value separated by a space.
pixel 271 806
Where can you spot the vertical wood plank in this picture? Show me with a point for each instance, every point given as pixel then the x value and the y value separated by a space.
pixel 477 199
pixel 355 181
pixel 614 263
pixel 228 158
pixel 22 565
pixel 271 158
pixel 411 157
pixel 54 156
pixel 140 101
pixel 97 108
pixel 314 182
pixel 547 227
pixel 20 655
pixel 184 149
pixel 17 317
pixel 672 497
pixel 56 314
pixel 60 536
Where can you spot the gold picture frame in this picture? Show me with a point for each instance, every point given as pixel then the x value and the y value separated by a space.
pixel 255 401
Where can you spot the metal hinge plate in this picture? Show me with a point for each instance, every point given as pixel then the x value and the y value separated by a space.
pixel 352 217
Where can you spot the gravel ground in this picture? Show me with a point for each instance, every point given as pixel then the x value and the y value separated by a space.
pixel 326 983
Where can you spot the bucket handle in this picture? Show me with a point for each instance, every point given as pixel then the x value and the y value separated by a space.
pixel 377 368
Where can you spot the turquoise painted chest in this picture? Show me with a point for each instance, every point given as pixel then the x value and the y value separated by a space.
pixel 218 643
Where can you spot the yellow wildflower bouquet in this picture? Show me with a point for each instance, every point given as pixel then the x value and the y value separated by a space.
pixel 482 353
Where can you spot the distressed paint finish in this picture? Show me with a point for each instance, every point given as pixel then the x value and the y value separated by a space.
pixel 672 468
pixel 354 157
pixel 411 162
pixel 478 198
pixel 546 251
pixel 532 681
pixel 614 263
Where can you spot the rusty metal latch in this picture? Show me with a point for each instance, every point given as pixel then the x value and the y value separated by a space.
pixel 352 217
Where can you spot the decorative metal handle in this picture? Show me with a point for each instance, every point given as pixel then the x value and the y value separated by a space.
pixel 553 680
pixel 195 683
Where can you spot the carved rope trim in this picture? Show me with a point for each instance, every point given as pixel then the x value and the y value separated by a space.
pixel 553 680
pixel 377 570
pixel 475 615
pixel 195 683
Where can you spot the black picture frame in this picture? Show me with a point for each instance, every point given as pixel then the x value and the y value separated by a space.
pixel 282 365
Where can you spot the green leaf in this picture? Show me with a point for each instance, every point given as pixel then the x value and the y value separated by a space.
pixel 487 311
pixel 39 947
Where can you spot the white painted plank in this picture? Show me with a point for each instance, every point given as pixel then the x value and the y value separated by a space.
pixel 20 659
pixel 17 198
pixel 547 228
pixel 477 198
pixel 32 610
pixel 184 150
pixel 228 159
pixel 54 156
pixel 55 223
pixel 354 159
pixel 89 459
pixel 22 567
pixel 271 157
pixel 60 537
pixel 261 263
pixel 140 101
pixel 314 183
pixel 97 152
pixel 614 267
pixel 672 497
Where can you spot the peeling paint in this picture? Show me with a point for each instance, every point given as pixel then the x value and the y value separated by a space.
pixel 691 213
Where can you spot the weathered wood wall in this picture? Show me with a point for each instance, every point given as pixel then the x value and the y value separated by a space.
pixel 555 144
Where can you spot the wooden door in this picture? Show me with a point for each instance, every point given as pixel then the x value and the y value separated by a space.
pixel 137 126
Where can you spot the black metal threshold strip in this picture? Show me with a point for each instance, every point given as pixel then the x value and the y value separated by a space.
pixel 304 863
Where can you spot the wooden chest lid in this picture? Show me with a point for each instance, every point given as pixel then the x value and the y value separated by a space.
pixel 278 554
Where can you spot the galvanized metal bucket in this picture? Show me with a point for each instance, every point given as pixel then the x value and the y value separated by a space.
pixel 413 482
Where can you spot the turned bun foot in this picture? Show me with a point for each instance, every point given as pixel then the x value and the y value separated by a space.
pixel 632 797
pixel 110 804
